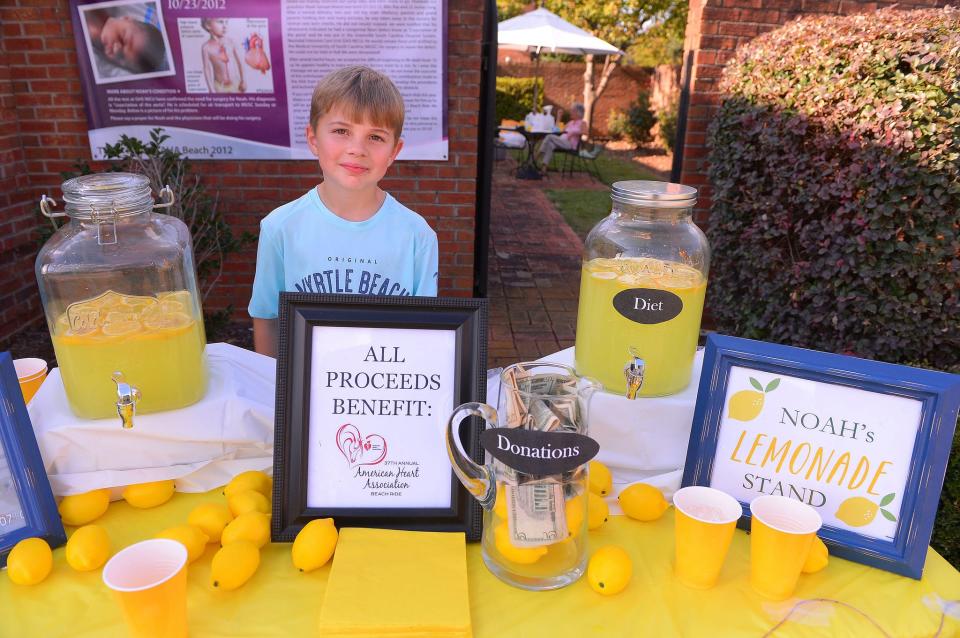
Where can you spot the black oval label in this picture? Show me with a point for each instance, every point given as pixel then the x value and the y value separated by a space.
pixel 539 452
pixel 647 305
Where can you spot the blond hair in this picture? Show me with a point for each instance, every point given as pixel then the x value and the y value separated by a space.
pixel 363 94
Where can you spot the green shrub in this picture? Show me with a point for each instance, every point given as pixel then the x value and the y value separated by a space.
pixel 834 222
pixel 635 123
pixel 515 97
pixel 667 118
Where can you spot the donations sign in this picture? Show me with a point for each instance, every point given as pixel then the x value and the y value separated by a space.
pixel 233 79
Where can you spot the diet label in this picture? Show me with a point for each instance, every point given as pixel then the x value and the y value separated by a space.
pixel 647 305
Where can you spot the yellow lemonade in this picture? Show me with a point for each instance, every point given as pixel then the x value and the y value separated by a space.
pixel 157 344
pixel 643 307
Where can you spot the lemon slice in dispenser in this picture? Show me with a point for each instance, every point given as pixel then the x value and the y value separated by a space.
pixel 120 328
pixel 166 320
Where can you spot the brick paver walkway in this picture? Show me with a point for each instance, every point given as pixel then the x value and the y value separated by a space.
pixel 534 268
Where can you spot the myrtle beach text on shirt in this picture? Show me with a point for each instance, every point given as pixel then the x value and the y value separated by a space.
pixel 350 280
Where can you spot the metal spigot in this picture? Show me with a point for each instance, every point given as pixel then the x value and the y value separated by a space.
pixel 633 371
pixel 127 398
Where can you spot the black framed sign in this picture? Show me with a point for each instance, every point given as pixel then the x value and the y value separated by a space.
pixel 27 506
pixel 864 443
pixel 365 385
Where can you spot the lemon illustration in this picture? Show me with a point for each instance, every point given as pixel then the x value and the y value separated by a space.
pixel 642 502
pixel 252 526
pixel 234 564
pixel 500 502
pixel 597 512
pixel 80 509
pixel 190 536
pixel 29 562
pixel 858 511
pixel 248 501
pixel 252 480
pixel 601 480
pixel 514 554
pixel 146 495
pixel 817 558
pixel 314 544
pixel 746 405
pixel 211 518
pixel 88 548
pixel 609 570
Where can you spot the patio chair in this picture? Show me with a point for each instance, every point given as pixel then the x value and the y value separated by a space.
pixel 582 158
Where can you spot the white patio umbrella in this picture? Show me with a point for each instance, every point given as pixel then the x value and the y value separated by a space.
pixel 540 30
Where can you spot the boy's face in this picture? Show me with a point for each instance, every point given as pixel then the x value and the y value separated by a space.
pixel 353 155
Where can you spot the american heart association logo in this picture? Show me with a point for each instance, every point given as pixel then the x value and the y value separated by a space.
pixel 360 450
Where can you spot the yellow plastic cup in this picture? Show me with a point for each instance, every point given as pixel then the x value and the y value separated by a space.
pixel 781 534
pixel 30 374
pixel 705 519
pixel 149 580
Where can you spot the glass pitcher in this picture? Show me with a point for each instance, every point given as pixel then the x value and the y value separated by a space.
pixel 642 288
pixel 119 291
pixel 534 526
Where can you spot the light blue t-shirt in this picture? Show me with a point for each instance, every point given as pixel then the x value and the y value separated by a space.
pixel 304 247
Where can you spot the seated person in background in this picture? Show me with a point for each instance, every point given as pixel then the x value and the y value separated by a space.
pixel 128 39
pixel 568 140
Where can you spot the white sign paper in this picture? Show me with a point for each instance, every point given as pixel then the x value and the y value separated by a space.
pixel 844 451
pixel 379 402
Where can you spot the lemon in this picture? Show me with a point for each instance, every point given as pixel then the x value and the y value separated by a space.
pixel 251 526
pixel 500 504
pixel 252 480
pixel 190 536
pixel 29 562
pixel 514 554
pixel 144 495
pixel 745 405
pixel 88 548
pixel 609 570
pixel 817 558
pixel 211 518
pixel 248 501
pixel 597 512
pixel 601 480
pixel 857 511
pixel 234 564
pixel 314 544
pixel 81 509
pixel 158 320
pixel 643 502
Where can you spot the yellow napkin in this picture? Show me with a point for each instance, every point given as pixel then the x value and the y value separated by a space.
pixel 393 584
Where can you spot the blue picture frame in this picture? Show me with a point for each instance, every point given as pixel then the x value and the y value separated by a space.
pixel 22 475
pixel 937 392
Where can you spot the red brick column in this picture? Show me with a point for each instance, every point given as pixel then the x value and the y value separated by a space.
pixel 43 131
pixel 715 28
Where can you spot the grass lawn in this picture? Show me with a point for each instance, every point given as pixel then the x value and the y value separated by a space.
pixel 582 209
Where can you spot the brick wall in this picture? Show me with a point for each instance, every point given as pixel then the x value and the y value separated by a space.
pixel 43 131
pixel 563 83
pixel 715 28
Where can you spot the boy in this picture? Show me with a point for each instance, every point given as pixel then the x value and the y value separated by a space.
pixel 345 235
pixel 216 53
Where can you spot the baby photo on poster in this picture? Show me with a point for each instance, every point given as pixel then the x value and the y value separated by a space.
pixel 126 41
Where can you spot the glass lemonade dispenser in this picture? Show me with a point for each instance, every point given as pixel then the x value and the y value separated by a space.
pixel 642 288
pixel 119 290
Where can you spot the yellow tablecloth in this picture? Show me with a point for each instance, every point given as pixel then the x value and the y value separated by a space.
pixel 280 601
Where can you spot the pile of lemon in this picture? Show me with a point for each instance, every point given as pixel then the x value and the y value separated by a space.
pixel 241 526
